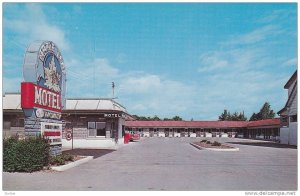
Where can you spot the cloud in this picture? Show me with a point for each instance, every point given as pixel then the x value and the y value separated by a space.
pixel 276 16
pixel 154 94
pixel 255 36
pixel 232 59
pixel 142 93
pixel 291 62
pixel 141 84
pixel 31 24
pixel 102 67
pixel 240 73
pixel 212 61
pixel 92 77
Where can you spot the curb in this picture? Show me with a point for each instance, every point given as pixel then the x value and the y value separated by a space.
pixel 72 164
pixel 216 149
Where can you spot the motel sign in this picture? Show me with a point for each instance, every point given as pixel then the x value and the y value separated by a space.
pixel 43 93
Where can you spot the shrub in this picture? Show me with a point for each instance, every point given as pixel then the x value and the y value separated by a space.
pixel 61 159
pixel 215 143
pixel 57 160
pixel 203 141
pixel 68 157
pixel 25 155
pixel 208 142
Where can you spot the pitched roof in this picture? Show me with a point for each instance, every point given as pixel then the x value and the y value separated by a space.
pixel 282 111
pixel 291 80
pixel 291 97
pixel 12 101
pixel 203 124
pixel 266 122
pixel 94 104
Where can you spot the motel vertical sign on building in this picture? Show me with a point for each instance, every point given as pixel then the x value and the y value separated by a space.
pixel 43 92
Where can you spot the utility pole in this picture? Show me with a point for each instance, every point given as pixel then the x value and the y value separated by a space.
pixel 113 89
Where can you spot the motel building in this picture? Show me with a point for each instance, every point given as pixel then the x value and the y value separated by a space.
pixel 263 129
pixel 102 123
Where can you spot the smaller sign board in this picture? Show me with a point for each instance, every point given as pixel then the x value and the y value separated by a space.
pixel 68 134
pixel 52 132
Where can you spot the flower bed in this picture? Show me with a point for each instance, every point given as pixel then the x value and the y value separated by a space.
pixel 215 146
pixel 209 144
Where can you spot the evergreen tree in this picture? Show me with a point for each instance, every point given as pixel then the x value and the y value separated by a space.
pixel 224 116
pixel 155 118
pixel 177 118
pixel 242 116
pixel 264 113
pixel 234 117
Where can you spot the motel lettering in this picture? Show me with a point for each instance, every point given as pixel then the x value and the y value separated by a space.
pixel 47 98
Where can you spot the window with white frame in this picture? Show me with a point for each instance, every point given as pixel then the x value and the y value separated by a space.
pixel 100 127
pixel 96 129
pixel 91 129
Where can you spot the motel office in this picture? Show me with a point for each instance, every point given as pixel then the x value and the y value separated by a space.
pixel 95 123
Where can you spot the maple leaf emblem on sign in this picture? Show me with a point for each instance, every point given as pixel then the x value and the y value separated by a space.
pixel 52 78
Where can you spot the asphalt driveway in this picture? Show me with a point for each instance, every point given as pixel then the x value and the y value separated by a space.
pixel 172 164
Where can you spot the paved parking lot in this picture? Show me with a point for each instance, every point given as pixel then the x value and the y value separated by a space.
pixel 173 164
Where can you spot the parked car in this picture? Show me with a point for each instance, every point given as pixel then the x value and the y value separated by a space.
pixel 134 136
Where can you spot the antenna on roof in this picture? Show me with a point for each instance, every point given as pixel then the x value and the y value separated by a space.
pixel 113 89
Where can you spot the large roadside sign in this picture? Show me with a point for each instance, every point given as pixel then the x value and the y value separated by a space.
pixel 43 92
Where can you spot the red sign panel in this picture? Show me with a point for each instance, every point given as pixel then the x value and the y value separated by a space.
pixel 33 96
pixel 51 133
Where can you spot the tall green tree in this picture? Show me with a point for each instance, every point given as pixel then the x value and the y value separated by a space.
pixel 224 115
pixel 155 118
pixel 177 118
pixel 265 113
pixel 242 116
pixel 232 117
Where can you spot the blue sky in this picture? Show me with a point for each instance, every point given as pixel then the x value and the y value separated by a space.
pixel 188 59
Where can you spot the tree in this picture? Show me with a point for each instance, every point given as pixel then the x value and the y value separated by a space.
pixel 224 116
pixel 264 113
pixel 136 117
pixel 155 118
pixel 255 117
pixel 242 117
pixel 234 117
pixel 177 118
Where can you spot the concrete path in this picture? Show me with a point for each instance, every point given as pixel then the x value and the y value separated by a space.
pixel 172 164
